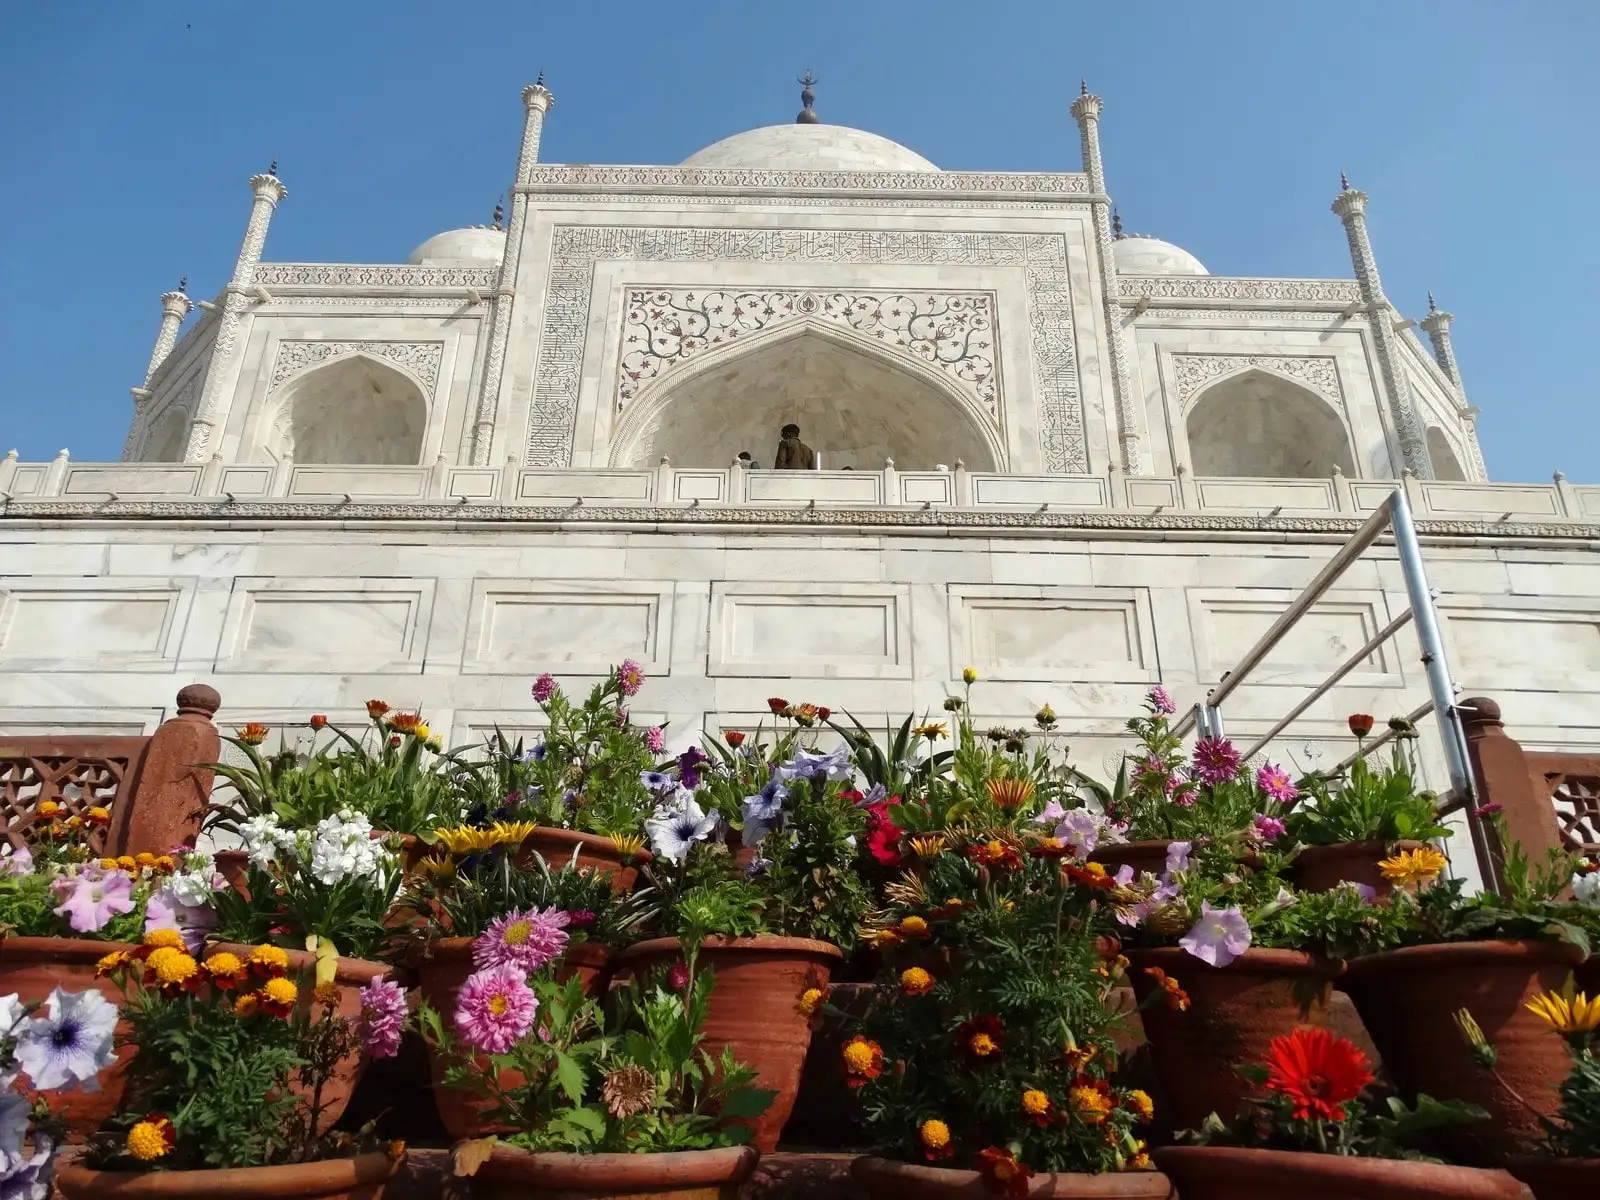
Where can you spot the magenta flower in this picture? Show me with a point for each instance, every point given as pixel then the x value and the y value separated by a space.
pixel 383 1017
pixel 678 977
pixel 1215 760
pixel 1218 937
pixel 1160 702
pixel 654 740
pixel 1274 781
pixel 495 1009
pixel 580 916
pixel 630 677
pixel 526 939
pixel 1270 828
pixel 93 897
pixel 544 687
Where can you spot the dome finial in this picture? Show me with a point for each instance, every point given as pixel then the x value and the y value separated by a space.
pixel 1432 307
pixel 808 97
pixel 539 82
pixel 499 213
pixel 272 168
pixel 1116 224
pixel 1344 182
pixel 183 284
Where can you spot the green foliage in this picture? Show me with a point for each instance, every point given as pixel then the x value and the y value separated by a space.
pixel 1575 1133
pixel 1367 805
pixel 27 907
pixel 719 907
pixel 811 884
pixel 1339 923
pixel 1393 1131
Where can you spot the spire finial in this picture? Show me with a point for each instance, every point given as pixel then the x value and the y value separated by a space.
pixel 1432 307
pixel 272 168
pixel 499 213
pixel 183 284
pixel 1116 223
pixel 1344 182
pixel 1083 87
pixel 539 82
pixel 808 97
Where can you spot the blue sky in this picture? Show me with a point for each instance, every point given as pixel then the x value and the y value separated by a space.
pixel 130 129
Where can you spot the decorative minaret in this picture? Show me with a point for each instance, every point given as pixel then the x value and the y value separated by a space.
pixel 536 101
pixel 175 306
pixel 1351 206
pixel 219 374
pixel 1437 326
pixel 1086 109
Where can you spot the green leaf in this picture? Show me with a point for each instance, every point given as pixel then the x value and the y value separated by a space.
pixel 570 1075
pixel 747 1102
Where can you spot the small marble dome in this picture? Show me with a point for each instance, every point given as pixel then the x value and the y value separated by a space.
pixel 474 246
pixel 809 148
pixel 1141 254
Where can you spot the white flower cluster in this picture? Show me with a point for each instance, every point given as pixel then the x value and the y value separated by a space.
pixel 341 847
pixel 1586 888
pixel 194 882
pixel 262 838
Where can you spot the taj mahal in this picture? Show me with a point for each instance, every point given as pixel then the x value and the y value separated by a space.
pixel 1068 456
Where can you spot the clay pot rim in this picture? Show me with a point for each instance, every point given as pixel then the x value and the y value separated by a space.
pixel 727 1164
pixel 1258 960
pixel 351 970
pixel 756 944
pixel 325 1177
pixel 1364 847
pixel 1292 1167
pixel 603 846
pixel 21 946
pixel 1452 954
pixel 1111 1184
pixel 457 949
pixel 1549 1160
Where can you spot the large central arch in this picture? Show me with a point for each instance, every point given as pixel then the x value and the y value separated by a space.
pixel 855 402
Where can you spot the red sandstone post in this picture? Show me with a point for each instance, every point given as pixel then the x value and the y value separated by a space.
pixel 170 793
pixel 1506 778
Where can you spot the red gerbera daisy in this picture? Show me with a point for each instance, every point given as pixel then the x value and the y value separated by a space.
pixel 1002 1173
pixel 1318 1072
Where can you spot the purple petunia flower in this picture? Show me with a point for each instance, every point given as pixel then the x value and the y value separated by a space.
pixel 164 910
pixel 1215 760
pixel 383 1017
pixel 544 687
pixel 1274 782
pixel 1219 936
pixel 1160 702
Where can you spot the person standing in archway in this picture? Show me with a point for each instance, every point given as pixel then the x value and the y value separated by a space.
pixel 793 454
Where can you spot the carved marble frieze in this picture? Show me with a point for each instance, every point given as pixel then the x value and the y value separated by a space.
pixel 1216 287
pixel 576 249
pixel 1193 372
pixel 373 275
pixel 421 359
pixel 953 331
pixel 562 177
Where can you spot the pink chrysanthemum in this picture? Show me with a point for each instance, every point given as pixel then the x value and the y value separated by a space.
pixel 630 677
pixel 1161 702
pixel 1215 760
pixel 524 938
pixel 495 1009
pixel 655 740
pixel 544 687
pixel 1274 782
pixel 678 977
pixel 1270 828
pixel 383 1017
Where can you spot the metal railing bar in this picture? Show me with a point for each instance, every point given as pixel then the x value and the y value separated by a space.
pixel 1336 566
pixel 1322 689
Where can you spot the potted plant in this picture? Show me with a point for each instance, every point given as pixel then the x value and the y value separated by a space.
pixel 986 1063
pixel 634 1108
pixel 1307 1133
pixel 228 1093
pixel 1567 1166
pixel 62 909
pixel 1345 827
pixel 1491 953
pixel 473 907
pixel 324 895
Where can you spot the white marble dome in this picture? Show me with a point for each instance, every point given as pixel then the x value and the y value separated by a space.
pixel 474 246
pixel 809 148
pixel 1140 254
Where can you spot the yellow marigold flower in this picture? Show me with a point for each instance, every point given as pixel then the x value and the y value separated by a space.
pixel 396 1150
pixel 811 1000
pixel 928 845
pixel 1413 866
pixel 914 981
pixel 1035 1103
pixel 175 969
pixel 969 675
pixel 47 808
pixel 1090 1104
pixel 278 996
pixel 882 939
pixel 270 958
pixel 74 822
pixel 114 961
pixel 166 863
pixel 246 1005
pixel 223 963
pixel 150 1139
pixel 326 994
pixel 99 814
pixel 935 1134
pixel 127 862
pixel 108 864
pixel 1140 1104
pixel 913 926
pixel 1140 1160
pixel 933 730
pixel 144 859
pixel 159 955
pixel 1567 1014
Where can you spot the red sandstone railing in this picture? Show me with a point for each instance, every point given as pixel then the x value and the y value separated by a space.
pixel 152 786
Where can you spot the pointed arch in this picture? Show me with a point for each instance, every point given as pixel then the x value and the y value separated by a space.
pixel 1443 456
pixel 168 437
pixel 857 402
pixel 1258 423
pixel 352 409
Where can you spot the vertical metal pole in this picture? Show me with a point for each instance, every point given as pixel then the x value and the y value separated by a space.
pixel 1440 686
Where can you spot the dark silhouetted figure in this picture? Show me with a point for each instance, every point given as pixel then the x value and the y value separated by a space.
pixel 793 454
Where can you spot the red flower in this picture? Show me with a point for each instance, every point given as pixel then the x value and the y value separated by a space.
pixel 883 835
pixel 778 705
pixel 981 1039
pixel 995 853
pixel 824 713
pixel 1361 724
pixel 317 721
pixel 1093 875
pixel 376 709
pixel 862 1059
pixel 733 737
pixel 1002 1173
pixel 1318 1072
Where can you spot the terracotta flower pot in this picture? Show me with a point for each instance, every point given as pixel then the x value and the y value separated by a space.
pixel 352 975
pixel 1407 999
pixel 595 853
pixel 752 1009
pixel 511 1174
pixel 1322 868
pixel 359 1178
pixel 885 1179
pixel 1557 1178
pixel 1234 1014
pixel 1228 1173
pixel 442 966
pixel 33 967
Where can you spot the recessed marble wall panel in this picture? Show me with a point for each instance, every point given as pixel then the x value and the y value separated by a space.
pixel 1525 641
pixel 91 624
pixel 131 480
pixel 1489 499
pixel 523 626
pixel 1081 491
pixel 1043 633
pixel 401 483
pixel 246 481
pixel 566 485
pixel 1153 493
pixel 825 487
pixel 1227 622
pixel 927 487
pixel 475 483
pixel 312 625
pixel 708 486
pixel 828 631
pixel 1296 495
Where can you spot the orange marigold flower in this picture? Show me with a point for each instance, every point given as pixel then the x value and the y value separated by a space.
pixel 936 1140
pixel 108 864
pixel 154 939
pixel 862 1059
pixel 175 971
pixel 252 733
pixel 144 859
pixel 1140 1105
pixel 376 709
pixel 226 970
pixel 1010 793
pixel 166 863
pixel 995 853
pixel 247 1005
pixel 1078 1056
pixel 1090 1104
pixel 151 1138
pixel 1177 998
pixel 1090 875
pixel 127 862
pixel 811 1001
pixel 278 996
pixel 914 981
pixel 1051 847
pixel 114 961
pixel 98 814
pixel 1038 1107
pixel 882 939
pixel 326 994
pixel 1002 1172
pixel 981 1039
pixel 269 961
pixel 396 1150
pixel 47 808
pixel 1318 1072
pixel 912 927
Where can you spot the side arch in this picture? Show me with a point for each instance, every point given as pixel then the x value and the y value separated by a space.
pixel 355 409
pixel 1260 424
pixel 168 437
pixel 1443 456
pixel 855 401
